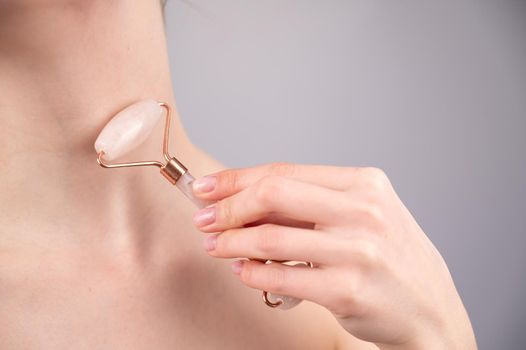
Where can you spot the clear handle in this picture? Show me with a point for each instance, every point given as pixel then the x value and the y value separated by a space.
pixel 185 185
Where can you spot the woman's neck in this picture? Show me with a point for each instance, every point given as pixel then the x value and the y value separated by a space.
pixel 66 67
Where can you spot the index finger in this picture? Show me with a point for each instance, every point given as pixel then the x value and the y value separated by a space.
pixel 227 182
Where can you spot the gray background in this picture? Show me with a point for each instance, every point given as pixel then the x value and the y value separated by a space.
pixel 433 92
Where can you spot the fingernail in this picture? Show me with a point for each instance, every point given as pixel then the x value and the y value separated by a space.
pixel 205 216
pixel 237 266
pixel 204 184
pixel 210 242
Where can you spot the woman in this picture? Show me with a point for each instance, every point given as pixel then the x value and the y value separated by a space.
pixel 95 259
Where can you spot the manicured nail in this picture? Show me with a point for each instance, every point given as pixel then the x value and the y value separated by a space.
pixel 204 184
pixel 237 266
pixel 205 216
pixel 210 242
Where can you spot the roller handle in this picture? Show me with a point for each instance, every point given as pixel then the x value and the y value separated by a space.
pixel 184 183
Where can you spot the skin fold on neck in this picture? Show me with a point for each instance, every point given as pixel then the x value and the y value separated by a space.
pixel 66 68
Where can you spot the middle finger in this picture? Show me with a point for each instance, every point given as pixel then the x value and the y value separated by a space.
pixel 278 195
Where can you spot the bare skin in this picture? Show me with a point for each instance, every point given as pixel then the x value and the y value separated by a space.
pixel 92 258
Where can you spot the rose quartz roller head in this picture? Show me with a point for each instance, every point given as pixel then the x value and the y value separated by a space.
pixel 131 127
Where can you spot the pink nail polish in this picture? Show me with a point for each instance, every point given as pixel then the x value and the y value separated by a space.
pixel 237 266
pixel 205 216
pixel 204 184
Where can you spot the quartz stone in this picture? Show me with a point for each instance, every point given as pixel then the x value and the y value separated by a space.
pixel 128 129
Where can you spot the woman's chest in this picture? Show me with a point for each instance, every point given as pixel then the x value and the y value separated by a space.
pixel 195 304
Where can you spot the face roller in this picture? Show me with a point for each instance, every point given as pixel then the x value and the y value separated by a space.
pixel 131 127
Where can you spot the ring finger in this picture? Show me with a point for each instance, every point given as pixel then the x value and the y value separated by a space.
pixel 275 242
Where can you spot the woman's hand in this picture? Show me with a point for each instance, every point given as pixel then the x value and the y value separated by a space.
pixel 374 267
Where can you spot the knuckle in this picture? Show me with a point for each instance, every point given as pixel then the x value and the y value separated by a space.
pixel 285 169
pixel 349 176
pixel 225 214
pixel 347 301
pixel 375 178
pixel 266 190
pixel 367 213
pixel 276 279
pixel 247 274
pixel 372 215
pixel 366 253
pixel 342 208
pixel 229 181
pixel 222 244
pixel 268 240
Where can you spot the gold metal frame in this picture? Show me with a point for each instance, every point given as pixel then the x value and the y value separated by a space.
pixel 265 293
pixel 172 170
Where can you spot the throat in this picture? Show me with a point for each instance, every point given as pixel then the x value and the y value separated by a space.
pixel 67 67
